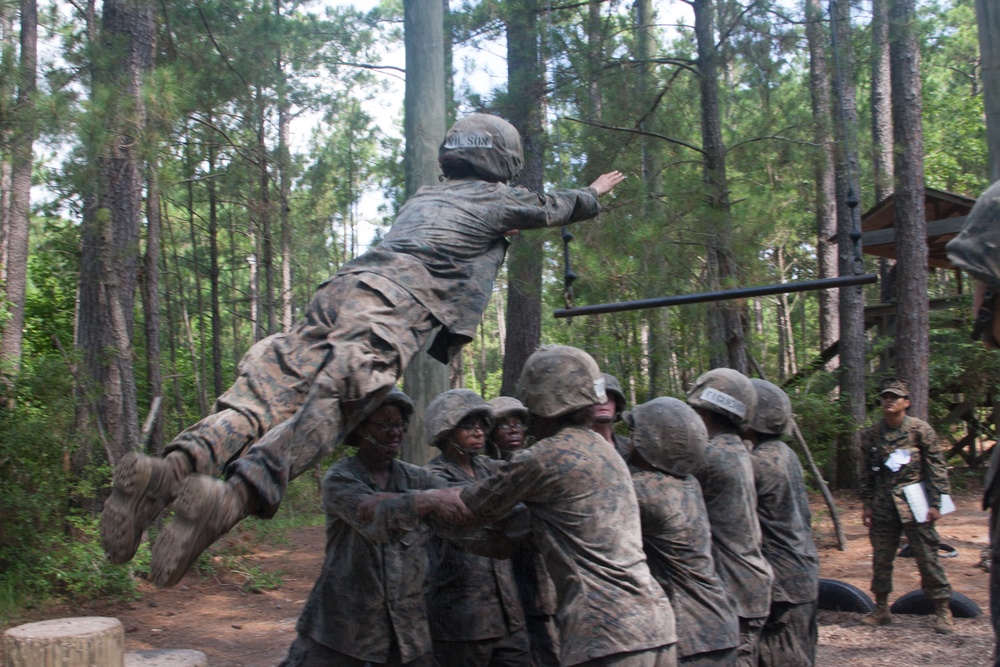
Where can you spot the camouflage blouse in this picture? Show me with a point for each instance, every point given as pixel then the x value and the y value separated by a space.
pixel 585 521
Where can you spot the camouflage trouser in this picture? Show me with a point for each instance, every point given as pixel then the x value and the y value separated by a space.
pixel 664 656
pixel 725 657
pixel 543 636
pixel 307 652
pixel 511 650
pixel 790 635
pixel 923 538
pixel 746 652
pixel 298 394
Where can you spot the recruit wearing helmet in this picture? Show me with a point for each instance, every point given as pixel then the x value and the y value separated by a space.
pixel 394 397
pixel 448 409
pixel 558 379
pixel 508 406
pixel 669 435
pixel 614 390
pixel 725 392
pixel 774 409
pixel 489 145
pixel 977 250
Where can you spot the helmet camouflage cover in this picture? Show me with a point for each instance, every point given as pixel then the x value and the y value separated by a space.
pixel 558 379
pixel 726 392
pixel 977 247
pixel 669 435
pixel 614 390
pixel 508 406
pixel 449 408
pixel 488 144
pixel 774 408
pixel 393 397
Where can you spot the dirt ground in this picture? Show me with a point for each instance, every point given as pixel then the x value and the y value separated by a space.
pixel 236 628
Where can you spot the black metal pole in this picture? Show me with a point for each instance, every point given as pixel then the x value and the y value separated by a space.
pixel 722 295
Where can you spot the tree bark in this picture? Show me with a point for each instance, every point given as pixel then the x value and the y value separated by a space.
pixel 912 319
pixel 881 101
pixel 524 264
pixel 852 303
pixel 19 222
pixel 988 20
pixel 424 101
pixel 111 229
pixel 151 299
pixel 725 327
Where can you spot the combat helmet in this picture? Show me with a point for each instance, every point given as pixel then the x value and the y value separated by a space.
pixel 449 408
pixel 508 406
pixel 614 390
pixel 558 379
pixel 774 408
pixel 393 397
pixel 488 144
pixel 725 392
pixel 669 435
pixel 977 247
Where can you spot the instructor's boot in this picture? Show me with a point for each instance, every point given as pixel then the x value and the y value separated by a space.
pixel 945 624
pixel 206 509
pixel 142 486
pixel 880 615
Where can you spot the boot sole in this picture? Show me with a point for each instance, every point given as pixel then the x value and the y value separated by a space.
pixel 127 511
pixel 197 524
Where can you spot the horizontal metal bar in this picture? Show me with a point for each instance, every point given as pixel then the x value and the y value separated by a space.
pixel 721 295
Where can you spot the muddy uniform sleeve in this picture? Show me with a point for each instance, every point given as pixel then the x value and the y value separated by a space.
pixel 493 498
pixel 342 493
pixel 530 210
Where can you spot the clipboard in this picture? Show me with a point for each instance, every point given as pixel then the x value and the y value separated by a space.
pixel 916 498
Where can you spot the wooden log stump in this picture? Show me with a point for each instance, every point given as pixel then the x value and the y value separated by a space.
pixel 169 657
pixel 89 641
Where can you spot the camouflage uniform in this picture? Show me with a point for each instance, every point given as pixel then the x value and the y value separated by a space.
pixel 882 494
pixel 731 500
pixel 300 392
pixel 991 501
pixel 472 601
pixel 677 539
pixel 368 603
pixel 790 634
pixel 585 522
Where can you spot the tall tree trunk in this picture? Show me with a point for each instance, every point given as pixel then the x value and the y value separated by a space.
pixel 264 216
pixel 201 369
pixel 112 229
pixel 988 20
pixel 852 300
pixel 213 274
pixel 284 164
pixel 151 298
pixel 524 267
pixel 425 128
pixel 8 53
pixel 725 326
pixel 912 319
pixel 23 138
pixel 826 187
pixel 881 111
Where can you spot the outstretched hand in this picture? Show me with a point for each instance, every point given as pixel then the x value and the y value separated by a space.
pixel 606 182
pixel 446 504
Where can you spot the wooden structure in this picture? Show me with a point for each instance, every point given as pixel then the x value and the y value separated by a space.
pixel 945 216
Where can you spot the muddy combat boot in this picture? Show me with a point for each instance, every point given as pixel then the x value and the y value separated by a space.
pixel 880 615
pixel 944 623
pixel 206 509
pixel 142 486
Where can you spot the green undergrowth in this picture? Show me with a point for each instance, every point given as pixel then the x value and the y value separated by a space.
pixel 65 562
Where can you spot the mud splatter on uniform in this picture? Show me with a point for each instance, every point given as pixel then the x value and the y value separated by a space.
pixel 790 634
pixel 585 522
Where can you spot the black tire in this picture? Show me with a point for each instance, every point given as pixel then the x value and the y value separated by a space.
pixel 837 595
pixel 915 602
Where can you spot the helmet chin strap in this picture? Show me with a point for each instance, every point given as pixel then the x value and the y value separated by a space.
pixel 467 452
pixel 982 328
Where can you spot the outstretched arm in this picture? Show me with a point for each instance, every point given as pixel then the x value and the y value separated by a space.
pixel 606 182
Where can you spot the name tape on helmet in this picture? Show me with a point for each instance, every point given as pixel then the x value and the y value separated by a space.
pixel 724 401
pixel 599 388
pixel 468 140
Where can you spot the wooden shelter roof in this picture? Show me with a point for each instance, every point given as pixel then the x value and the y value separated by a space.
pixel 945 214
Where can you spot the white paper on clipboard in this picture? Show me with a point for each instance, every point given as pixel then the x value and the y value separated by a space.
pixel 916 498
